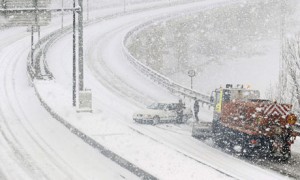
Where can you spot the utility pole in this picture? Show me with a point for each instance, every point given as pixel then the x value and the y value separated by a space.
pixel 80 49
pixel 84 95
pixel 74 56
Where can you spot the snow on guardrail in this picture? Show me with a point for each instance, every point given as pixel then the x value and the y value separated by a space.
pixel 162 80
pixel 173 87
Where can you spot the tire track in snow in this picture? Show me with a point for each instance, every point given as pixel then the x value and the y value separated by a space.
pixel 106 76
pixel 109 82
pixel 9 135
pixel 25 158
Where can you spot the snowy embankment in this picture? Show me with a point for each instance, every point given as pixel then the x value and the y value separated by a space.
pixel 118 90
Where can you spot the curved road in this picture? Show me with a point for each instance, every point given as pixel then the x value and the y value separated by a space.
pixel 118 90
pixel 33 144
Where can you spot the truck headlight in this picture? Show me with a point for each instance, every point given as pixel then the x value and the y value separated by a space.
pixel 291 119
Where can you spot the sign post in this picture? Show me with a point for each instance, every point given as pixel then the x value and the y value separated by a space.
pixel 192 73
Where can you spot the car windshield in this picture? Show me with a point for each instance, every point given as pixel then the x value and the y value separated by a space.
pixel 163 106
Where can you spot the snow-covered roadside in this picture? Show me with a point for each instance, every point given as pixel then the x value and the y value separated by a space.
pixel 112 114
pixel 33 144
pixel 259 71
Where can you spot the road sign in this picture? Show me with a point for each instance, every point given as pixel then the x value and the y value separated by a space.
pixel 25 12
pixel 26 18
pixel 13 4
pixel 192 73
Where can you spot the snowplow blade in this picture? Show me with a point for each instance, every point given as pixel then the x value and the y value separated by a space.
pixel 202 130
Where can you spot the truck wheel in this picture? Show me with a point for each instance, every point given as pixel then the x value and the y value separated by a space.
pixel 245 151
pixel 219 140
pixel 155 120
pixel 286 153
pixel 285 157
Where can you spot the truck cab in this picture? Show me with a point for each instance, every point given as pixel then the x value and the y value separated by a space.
pixel 222 96
pixel 256 126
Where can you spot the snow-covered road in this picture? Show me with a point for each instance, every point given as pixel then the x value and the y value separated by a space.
pixel 118 90
pixel 33 144
pixel 37 147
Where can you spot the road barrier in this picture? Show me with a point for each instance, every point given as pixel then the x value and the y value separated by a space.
pixel 160 79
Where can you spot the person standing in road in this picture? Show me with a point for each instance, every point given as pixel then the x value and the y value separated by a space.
pixel 196 109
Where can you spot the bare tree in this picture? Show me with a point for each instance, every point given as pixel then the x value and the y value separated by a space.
pixel 291 56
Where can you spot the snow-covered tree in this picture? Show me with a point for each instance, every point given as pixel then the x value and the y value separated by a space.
pixel 291 56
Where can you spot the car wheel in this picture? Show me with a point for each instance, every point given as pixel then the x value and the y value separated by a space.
pixel 155 120
pixel 185 118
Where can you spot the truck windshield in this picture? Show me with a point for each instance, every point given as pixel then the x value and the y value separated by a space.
pixel 243 94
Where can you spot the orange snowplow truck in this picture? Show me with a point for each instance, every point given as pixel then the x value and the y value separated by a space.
pixel 251 125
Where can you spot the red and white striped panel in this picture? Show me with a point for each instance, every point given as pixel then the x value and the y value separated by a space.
pixel 277 109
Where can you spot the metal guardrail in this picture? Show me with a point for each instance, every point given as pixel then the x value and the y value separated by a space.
pixel 39 69
pixel 173 87
pixel 162 80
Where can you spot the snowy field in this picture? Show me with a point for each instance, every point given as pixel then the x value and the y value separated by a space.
pixel 37 146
